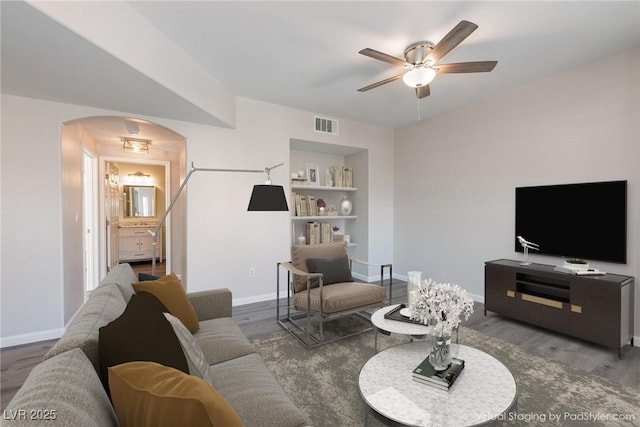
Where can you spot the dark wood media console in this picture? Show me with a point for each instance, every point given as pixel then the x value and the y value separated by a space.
pixel 594 308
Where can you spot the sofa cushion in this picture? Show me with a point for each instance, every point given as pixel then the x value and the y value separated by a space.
pixel 341 296
pixel 169 290
pixel 147 394
pixel 141 333
pixel 105 304
pixel 66 389
pixel 256 395
pixel 123 276
pixel 196 360
pixel 221 339
pixel 334 270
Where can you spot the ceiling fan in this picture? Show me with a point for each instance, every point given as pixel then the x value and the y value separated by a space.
pixel 421 61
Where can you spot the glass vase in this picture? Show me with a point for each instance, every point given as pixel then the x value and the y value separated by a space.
pixel 440 354
pixel 413 284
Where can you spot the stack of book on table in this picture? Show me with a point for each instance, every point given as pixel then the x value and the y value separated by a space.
pixel 426 374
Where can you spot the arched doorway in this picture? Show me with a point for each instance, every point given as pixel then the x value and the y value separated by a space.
pixel 102 138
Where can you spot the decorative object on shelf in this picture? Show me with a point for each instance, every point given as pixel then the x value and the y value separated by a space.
pixel 328 178
pixel 526 246
pixel 441 305
pixel 346 206
pixel 322 206
pixel 578 266
pixel 301 240
pixel 577 262
pixel 299 178
pixel 340 176
pixel 337 235
pixel 312 174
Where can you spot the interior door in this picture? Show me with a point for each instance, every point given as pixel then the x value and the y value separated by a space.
pixel 90 221
pixel 112 212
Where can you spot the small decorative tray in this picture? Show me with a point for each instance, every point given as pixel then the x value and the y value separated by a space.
pixel 395 315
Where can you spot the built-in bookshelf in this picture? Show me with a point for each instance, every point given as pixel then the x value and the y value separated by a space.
pixel 307 216
pixel 334 172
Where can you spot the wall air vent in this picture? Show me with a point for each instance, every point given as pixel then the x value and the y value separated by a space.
pixel 325 125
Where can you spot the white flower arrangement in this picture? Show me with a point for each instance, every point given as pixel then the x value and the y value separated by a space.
pixel 441 305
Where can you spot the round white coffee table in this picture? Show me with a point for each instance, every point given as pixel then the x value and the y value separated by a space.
pixel 394 326
pixel 484 391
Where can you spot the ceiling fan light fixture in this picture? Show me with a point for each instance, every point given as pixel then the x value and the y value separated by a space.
pixel 419 76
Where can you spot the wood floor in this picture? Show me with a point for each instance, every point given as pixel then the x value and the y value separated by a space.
pixel 145 267
pixel 258 320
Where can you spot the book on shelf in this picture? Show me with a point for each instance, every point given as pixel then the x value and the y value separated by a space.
pixel 301 205
pixel 426 374
pixel 299 181
pixel 313 233
pixel 318 232
pixel 347 177
pixel 312 207
pixel 326 232
pixel 341 176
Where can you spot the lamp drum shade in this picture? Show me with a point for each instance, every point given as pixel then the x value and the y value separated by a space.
pixel 268 198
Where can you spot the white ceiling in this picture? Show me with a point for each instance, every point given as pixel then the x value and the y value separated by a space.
pixel 305 54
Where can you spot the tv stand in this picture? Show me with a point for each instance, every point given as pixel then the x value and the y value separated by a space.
pixel 598 309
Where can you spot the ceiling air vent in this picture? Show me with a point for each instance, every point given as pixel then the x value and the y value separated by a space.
pixel 325 125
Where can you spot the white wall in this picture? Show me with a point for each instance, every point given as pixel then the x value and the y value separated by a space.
pixel 32 304
pixel 222 241
pixel 456 173
pixel 73 139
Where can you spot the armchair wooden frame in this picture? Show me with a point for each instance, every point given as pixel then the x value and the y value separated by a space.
pixel 304 335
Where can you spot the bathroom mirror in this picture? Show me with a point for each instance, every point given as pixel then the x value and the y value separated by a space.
pixel 139 201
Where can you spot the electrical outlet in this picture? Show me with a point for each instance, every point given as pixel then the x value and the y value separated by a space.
pixel 252 272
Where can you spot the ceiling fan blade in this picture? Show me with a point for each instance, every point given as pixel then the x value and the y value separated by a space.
pixel 371 53
pixel 380 83
pixel 423 91
pixel 452 39
pixel 467 67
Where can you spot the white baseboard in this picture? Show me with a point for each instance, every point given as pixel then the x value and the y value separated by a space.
pixel 636 341
pixel 30 338
pixel 257 298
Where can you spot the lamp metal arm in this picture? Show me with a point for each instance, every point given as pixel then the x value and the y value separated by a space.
pixel 174 199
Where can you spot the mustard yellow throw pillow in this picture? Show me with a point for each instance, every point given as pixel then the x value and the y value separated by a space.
pixel 171 293
pixel 147 394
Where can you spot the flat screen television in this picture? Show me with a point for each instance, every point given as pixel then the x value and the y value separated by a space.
pixel 587 220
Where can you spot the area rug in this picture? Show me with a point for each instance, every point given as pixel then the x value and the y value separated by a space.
pixel 323 382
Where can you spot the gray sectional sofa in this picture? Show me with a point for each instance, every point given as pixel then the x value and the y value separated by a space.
pixel 65 389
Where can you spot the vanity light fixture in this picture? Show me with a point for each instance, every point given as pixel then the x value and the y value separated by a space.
pixel 136 145
pixel 139 178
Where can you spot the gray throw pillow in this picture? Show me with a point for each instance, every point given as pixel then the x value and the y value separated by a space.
pixel 334 270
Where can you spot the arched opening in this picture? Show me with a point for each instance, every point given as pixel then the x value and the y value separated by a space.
pixel 96 166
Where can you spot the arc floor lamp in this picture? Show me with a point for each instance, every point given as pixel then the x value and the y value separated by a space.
pixel 264 197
